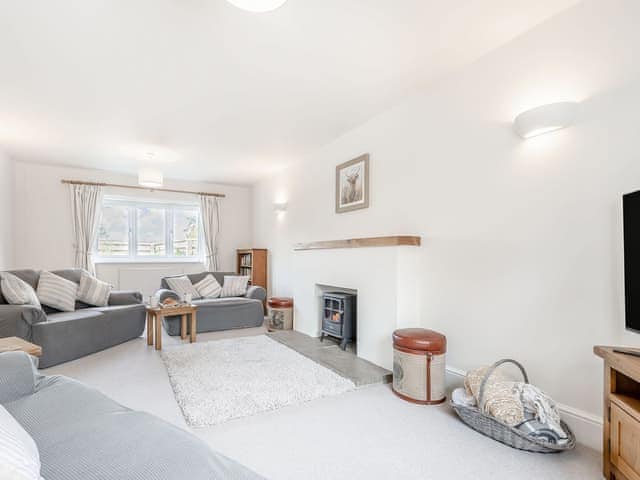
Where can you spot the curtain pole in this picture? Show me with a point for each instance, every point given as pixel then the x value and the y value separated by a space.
pixel 136 187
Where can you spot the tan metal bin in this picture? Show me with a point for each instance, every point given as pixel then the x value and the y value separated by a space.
pixel 280 312
pixel 419 365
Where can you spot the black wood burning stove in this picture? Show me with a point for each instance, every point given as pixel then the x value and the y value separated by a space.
pixel 339 317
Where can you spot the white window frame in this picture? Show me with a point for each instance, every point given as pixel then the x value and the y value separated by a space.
pixel 169 207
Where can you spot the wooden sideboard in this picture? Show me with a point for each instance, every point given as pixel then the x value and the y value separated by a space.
pixel 621 425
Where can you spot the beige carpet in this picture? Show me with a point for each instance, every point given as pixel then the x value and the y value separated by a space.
pixel 364 434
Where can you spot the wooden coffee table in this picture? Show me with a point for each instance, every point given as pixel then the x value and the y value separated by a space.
pixel 154 322
pixel 13 344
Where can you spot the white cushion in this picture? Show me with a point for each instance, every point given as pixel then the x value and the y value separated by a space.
pixel 182 285
pixel 234 286
pixel 57 292
pixel 19 457
pixel 208 287
pixel 93 291
pixel 16 291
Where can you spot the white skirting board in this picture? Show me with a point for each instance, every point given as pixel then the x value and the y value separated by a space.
pixel 586 426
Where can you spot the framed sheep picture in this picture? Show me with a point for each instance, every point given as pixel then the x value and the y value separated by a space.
pixel 352 184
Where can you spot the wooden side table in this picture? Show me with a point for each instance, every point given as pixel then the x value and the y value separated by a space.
pixel 12 344
pixel 621 418
pixel 154 322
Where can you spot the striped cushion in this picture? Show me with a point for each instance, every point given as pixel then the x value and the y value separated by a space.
pixel 17 291
pixel 234 286
pixel 208 287
pixel 19 457
pixel 57 292
pixel 93 291
pixel 182 285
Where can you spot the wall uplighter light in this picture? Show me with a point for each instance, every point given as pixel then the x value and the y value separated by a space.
pixel 545 119
pixel 280 207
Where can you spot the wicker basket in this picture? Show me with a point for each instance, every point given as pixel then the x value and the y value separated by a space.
pixel 489 426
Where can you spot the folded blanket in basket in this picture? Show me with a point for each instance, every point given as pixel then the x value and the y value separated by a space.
pixel 517 404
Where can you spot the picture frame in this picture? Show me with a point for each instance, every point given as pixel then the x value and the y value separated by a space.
pixel 352 184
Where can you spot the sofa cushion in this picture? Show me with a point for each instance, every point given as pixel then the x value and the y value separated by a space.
pixel 19 458
pixel 57 292
pixel 17 291
pixel 216 314
pixel 85 313
pixel 93 291
pixel 234 286
pixel 70 335
pixel 182 285
pixel 208 287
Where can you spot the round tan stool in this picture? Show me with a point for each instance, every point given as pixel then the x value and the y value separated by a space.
pixel 419 365
pixel 280 312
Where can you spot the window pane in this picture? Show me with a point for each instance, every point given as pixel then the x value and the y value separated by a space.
pixel 151 232
pixel 185 233
pixel 113 233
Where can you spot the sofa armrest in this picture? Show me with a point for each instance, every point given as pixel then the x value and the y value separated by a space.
pixel 18 375
pixel 256 292
pixel 165 293
pixel 125 297
pixel 17 320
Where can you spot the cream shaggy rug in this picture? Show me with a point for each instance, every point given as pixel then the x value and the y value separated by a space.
pixel 225 379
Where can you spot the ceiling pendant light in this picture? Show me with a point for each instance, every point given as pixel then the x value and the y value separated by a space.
pixel 258 6
pixel 150 177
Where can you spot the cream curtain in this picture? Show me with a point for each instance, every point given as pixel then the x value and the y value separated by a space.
pixel 86 201
pixel 210 211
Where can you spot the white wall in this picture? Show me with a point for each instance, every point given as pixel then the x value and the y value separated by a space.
pixel 6 212
pixel 522 246
pixel 44 231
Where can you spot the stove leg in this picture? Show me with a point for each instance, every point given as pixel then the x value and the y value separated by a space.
pixel 343 344
pixel 321 336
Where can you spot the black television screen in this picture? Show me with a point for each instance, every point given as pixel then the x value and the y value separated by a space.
pixel 631 214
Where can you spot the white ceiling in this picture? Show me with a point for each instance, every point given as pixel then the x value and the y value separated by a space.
pixel 218 93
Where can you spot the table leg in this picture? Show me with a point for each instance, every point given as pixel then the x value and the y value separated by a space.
pixel 158 332
pixel 183 327
pixel 150 322
pixel 193 327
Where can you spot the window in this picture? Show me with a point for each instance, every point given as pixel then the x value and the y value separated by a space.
pixel 131 230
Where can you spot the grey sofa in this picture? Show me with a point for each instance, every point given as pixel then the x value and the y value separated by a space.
pixel 82 434
pixel 216 314
pixel 66 336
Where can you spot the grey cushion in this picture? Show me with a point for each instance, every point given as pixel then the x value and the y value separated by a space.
pixel 83 435
pixel 125 297
pixel 17 376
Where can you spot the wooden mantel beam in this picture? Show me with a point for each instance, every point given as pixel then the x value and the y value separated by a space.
pixel 389 241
